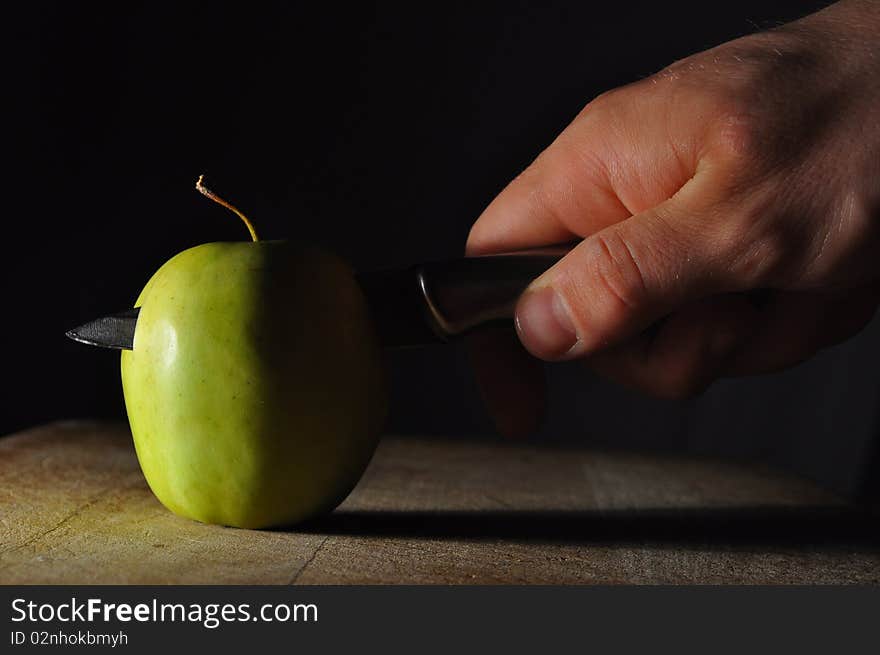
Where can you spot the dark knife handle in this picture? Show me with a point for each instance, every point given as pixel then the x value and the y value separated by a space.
pixel 461 294
pixel 441 300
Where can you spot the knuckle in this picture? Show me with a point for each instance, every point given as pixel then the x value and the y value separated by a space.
pixel 602 106
pixel 672 72
pixel 616 273
pixel 759 240
pixel 735 138
pixel 841 252
pixel 606 117
pixel 760 260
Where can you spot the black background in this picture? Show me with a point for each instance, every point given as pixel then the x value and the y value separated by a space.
pixel 379 130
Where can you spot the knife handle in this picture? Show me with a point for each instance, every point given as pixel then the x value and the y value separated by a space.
pixel 464 293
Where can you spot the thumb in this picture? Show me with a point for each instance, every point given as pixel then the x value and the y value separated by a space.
pixel 621 279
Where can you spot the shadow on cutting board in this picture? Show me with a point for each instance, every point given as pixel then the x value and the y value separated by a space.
pixel 829 528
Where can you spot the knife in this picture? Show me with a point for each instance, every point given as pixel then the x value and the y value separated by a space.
pixel 428 303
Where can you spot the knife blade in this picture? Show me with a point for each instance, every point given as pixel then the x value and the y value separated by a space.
pixel 425 304
pixel 115 331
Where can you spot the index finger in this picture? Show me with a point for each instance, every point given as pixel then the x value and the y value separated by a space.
pixel 614 160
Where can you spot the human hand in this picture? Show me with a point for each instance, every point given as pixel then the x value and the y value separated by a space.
pixel 730 214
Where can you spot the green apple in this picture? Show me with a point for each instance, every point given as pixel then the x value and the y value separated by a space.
pixel 255 389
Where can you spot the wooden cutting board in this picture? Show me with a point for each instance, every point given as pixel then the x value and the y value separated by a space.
pixel 74 508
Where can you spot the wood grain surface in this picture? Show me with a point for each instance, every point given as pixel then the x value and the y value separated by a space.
pixel 74 508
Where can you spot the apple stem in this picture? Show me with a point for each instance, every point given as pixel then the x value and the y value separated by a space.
pixel 205 191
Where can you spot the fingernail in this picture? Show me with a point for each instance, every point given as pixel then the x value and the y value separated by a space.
pixel 544 324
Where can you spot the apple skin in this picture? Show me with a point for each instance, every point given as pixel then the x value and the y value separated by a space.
pixel 255 390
